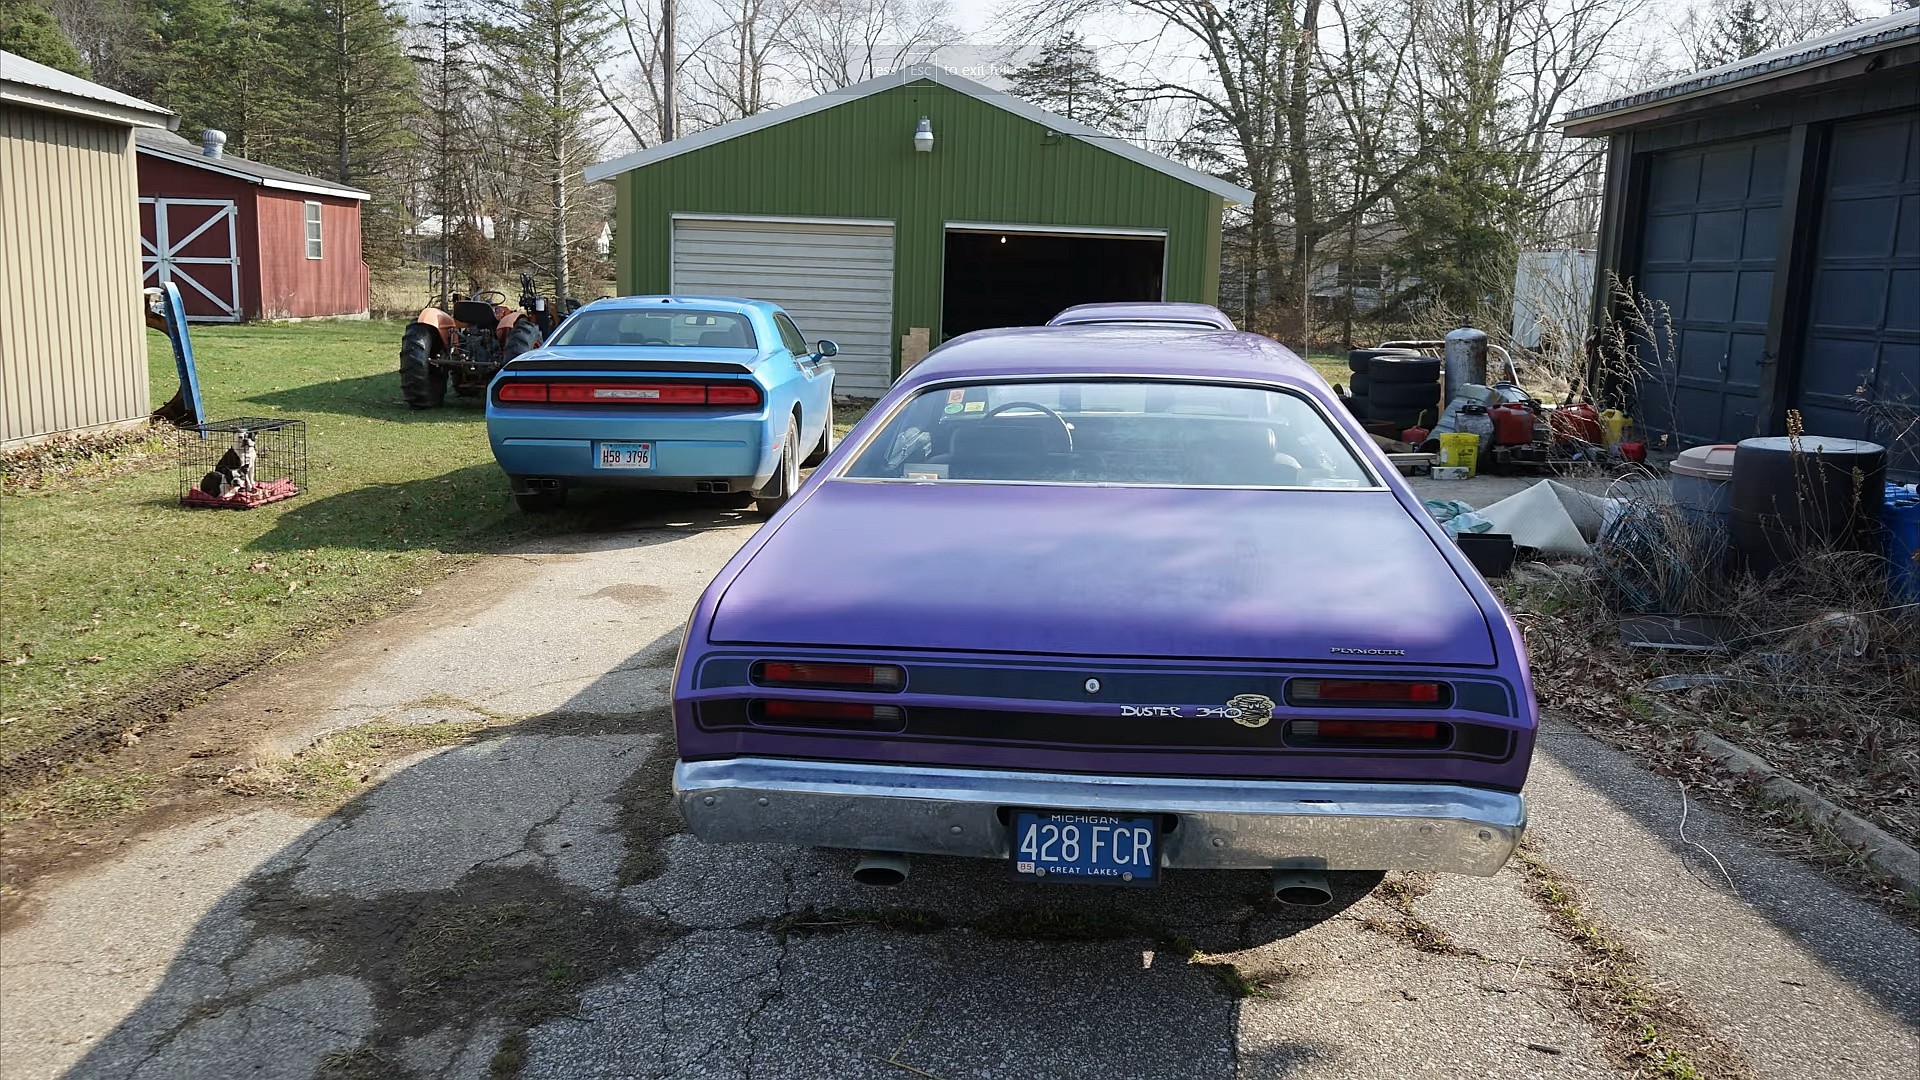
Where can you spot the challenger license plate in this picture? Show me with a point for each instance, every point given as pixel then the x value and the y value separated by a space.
pixel 626 455
pixel 1106 849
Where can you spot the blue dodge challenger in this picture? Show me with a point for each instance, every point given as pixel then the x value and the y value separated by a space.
pixel 664 393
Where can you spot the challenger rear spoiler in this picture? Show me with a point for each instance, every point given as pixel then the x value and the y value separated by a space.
pixel 692 367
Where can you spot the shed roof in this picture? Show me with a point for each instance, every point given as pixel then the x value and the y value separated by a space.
pixel 27 82
pixel 1875 35
pixel 932 73
pixel 168 145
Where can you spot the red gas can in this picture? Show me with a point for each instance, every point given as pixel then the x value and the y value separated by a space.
pixel 1512 424
pixel 1577 423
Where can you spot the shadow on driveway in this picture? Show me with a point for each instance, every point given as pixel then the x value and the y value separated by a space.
pixel 526 901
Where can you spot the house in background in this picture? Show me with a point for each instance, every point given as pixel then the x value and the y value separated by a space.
pixel 905 210
pixel 73 343
pixel 246 241
pixel 1772 206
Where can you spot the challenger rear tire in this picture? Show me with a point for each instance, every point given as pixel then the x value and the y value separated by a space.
pixel 421 383
pixel 786 474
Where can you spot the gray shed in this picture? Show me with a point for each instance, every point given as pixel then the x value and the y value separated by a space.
pixel 1772 205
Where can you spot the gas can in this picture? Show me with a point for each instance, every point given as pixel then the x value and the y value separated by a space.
pixel 1512 425
pixel 1613 425
pixel 1579 422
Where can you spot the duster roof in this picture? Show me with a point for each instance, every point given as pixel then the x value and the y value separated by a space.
pixel 1114 350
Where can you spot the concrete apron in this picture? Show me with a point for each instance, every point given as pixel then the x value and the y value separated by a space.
pixel 526 902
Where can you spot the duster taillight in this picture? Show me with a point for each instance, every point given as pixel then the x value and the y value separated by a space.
pixel 1405 734
pixel 809 675
pixel 828 714
pixel 1368 693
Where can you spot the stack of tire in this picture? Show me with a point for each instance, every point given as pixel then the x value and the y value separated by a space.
pixel 1395 386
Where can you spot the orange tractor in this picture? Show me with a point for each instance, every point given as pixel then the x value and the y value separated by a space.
pixel 463 343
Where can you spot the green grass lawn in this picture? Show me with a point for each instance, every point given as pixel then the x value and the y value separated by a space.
pixel 112 588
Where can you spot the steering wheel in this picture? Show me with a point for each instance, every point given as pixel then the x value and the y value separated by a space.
pixel 488 296
pixel 1066 429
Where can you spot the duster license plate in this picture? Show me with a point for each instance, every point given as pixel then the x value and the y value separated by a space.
pixel 1085 847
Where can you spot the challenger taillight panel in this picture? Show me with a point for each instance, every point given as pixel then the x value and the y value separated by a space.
pixel 733 394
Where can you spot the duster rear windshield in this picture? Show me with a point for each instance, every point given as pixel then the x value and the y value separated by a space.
pixel 616 327
pixel 1163 433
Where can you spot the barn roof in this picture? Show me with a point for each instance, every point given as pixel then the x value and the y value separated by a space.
pixel 1872 36
pixel 174 148
pixel 26 82
pixel 933 73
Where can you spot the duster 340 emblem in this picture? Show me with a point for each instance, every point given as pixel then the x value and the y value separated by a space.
pixel 1250 710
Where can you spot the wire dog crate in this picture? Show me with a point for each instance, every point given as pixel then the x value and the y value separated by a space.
pixel 211 464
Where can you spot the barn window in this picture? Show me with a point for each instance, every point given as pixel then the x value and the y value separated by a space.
pixel 313 230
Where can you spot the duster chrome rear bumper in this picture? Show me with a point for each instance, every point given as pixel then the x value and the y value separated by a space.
pixel 1211 823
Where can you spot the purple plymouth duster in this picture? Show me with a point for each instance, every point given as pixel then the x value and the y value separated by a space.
pixel 1103 602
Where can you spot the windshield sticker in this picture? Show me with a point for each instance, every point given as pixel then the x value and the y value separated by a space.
pixel 953 407
pixel 926 472
pixel 955 397
pixel 976 406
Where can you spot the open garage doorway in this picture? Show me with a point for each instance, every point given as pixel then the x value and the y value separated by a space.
pixel 1023 277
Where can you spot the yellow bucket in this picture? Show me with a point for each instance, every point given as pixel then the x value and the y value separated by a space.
pixel 1613 424
pixel 1460 448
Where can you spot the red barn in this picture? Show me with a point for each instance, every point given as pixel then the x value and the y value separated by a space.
pixel 247 241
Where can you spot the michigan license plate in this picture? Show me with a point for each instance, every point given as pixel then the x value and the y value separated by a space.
pixel 1104 849
pixel 626 455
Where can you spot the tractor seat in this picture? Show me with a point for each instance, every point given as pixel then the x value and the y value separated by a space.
pixel 476 313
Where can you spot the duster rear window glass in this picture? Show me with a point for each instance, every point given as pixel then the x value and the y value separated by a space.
pixel 1163 433
pixel 701 329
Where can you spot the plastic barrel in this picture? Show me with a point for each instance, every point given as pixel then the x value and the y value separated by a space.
pixel 1822 495
pixel 1900 517
pixel 1701 480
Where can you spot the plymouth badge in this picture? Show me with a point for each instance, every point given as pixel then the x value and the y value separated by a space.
pixel 1250 710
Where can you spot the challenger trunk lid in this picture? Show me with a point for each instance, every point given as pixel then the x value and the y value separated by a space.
pixel 1106 571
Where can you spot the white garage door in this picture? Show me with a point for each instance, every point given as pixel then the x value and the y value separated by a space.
pixel 835 279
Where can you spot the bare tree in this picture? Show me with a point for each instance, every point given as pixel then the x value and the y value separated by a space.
pixel 733 66
pixel 835 43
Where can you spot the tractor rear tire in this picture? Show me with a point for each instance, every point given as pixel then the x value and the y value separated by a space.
pixel 423 384
pixel 524 337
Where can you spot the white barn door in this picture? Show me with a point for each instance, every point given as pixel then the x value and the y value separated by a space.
pixel 193 243
pixel 834 277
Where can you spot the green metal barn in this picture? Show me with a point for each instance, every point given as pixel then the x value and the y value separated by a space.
pixel 900 212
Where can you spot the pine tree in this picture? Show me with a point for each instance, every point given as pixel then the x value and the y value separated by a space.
pixel 357 122
pixel 541 74
pixel 453 152
pixel 1739 29
pixel 234 65
pixel 1066 78
pixel 28 28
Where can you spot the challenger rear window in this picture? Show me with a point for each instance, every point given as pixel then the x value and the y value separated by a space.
pixel 1144 432
pixel 658 327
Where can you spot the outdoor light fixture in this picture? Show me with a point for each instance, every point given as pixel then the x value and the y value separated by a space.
pixel 923 136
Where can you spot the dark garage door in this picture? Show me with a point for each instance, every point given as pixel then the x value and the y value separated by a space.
pixel 1860 370
pixel 1707 256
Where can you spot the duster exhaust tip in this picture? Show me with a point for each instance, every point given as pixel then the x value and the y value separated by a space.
pixel 881 868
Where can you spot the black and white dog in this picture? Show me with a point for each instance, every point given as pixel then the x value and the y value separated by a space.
pixel 234 471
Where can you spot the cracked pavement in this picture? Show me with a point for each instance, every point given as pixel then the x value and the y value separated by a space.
pixel 524 904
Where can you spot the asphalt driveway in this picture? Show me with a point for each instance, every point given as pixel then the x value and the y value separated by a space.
pixel 523 903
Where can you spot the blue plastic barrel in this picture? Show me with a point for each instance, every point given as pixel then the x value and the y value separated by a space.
pixel 1900 517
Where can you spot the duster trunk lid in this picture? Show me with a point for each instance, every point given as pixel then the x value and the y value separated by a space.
pixel 1107 571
